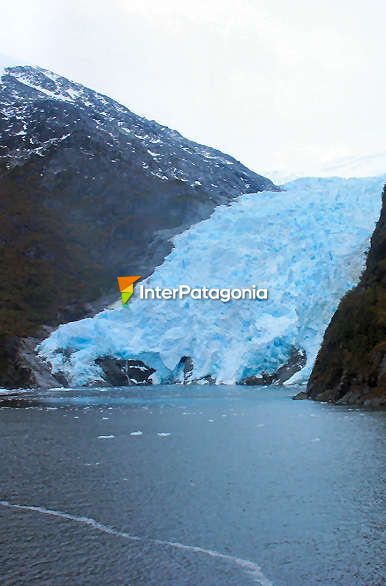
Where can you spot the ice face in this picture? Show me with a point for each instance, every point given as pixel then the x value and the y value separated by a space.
pixel 306 245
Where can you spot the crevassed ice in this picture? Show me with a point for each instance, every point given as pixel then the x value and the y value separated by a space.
pixel 306 244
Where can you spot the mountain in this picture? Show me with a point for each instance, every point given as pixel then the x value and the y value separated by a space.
pixel 306 245
pixel 88 191
pixel 365 165
pixel 368 165
pixel 351 364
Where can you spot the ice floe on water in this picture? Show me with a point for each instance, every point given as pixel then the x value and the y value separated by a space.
pixel 306 245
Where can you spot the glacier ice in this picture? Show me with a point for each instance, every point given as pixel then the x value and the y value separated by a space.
pixel 306 244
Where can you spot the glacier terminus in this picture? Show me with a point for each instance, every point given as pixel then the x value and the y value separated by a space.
pixel 302 243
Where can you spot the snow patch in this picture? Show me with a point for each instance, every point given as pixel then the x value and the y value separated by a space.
pixel 154 155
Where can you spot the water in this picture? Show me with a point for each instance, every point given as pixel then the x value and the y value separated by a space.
pixel 189 485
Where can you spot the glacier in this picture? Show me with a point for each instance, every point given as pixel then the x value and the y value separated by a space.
pixel 306 244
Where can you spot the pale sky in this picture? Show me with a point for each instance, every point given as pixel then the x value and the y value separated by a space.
pixel 288 87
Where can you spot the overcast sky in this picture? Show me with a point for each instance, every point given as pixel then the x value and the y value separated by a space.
pixel 286 85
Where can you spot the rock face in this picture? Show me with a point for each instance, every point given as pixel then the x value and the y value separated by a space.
pixel 296 361
pixel 351 364
pixel 88 191
pixel 122 373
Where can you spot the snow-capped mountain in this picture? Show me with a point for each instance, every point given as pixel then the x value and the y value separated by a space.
pixel 89 191
pixel 306 245
pixel 41 110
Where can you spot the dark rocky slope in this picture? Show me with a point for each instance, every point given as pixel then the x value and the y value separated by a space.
pixel 351 364
pixel 88 191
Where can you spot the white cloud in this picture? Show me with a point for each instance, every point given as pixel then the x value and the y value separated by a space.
pixel 280 84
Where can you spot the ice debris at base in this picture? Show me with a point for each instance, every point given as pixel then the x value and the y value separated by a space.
pixel 306 244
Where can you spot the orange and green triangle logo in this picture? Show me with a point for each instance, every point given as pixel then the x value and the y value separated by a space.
pixel 126 287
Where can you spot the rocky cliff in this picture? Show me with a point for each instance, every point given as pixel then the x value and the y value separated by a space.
pixel 88 190
pixel 351 364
